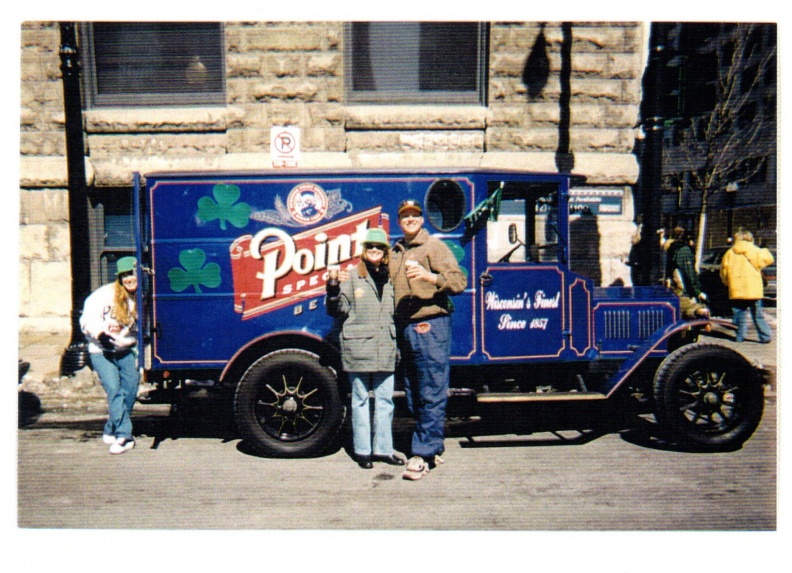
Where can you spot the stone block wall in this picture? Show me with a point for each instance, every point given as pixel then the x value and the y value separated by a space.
pixel 292 73
pixel 44 270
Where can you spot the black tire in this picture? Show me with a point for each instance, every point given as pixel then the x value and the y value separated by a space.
pixel 287 405
pixel 708 396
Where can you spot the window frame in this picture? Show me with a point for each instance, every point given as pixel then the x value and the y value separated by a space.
pixel 476 97
pixel 93 99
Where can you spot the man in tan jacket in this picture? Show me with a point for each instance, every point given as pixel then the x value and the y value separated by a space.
pixel 424 272
pixel 741 270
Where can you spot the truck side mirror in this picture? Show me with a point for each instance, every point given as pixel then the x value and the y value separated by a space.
pixel 513 239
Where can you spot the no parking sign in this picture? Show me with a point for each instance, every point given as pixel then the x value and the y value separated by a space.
pixel 285 146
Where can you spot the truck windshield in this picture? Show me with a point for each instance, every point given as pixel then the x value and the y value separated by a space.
pixel 526 227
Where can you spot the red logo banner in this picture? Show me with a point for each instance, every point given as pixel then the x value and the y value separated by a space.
pixel 272 269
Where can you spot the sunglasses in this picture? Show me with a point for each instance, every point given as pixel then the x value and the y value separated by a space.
pixel 373 246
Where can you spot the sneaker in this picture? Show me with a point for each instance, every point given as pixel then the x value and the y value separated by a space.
pixel 108 439
pixel 416 468
pixel 122 445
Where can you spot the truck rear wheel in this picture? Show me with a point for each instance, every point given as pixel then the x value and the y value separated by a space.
pixel 708 396
pixel 287 405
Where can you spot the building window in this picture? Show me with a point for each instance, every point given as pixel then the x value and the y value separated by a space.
pixel 113 232
pixel 154 63
pixel 416 62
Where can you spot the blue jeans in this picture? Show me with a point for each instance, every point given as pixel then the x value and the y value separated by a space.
pixel 120 379
pixel 740 309
pixel 426 348
pixel 382 385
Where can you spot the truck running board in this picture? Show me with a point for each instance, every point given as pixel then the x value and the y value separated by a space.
pixel 499 398
pixel 515 397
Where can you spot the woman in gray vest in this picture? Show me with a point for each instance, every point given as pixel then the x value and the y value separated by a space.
pixel 364 303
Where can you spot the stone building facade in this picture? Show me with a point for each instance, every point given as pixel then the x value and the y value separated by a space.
pixel 293 74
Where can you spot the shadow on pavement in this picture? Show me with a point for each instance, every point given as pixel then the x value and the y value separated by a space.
pixel 557 439
pixel 647 439
pixel 212 417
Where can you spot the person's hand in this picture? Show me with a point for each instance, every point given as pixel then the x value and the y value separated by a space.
pixel 703 297
pixel 420 273
pixel 122 342
pixel 343 275
pixel 123 339
pixel 107 341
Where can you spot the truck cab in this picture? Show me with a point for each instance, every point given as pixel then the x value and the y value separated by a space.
pixel 232 290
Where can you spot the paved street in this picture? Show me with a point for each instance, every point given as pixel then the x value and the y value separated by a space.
pixel 539 482
pixel 196 476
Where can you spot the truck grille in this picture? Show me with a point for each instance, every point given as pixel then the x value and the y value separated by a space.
pixel 649 322
pixel 619 324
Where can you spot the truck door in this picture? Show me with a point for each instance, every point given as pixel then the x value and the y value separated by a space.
pixel 142 252
pixel 522 296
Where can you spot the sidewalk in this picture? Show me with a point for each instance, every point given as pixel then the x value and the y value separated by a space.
pixel 83 392
pixel 762 355
pixel 43 382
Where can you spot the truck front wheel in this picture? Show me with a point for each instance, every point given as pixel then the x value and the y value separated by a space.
pixel 708 396
pixel 287 405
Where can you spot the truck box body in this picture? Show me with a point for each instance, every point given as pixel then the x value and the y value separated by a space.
pixel 211 295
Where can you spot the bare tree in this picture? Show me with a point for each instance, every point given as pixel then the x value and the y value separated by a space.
pixel 721 149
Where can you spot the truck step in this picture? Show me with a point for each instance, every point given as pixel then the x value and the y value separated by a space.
pixel 515 397
pixel 452 393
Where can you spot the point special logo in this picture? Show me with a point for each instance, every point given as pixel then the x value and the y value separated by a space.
pixel 307 203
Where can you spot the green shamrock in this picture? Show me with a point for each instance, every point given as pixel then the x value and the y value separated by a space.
pixel 223 207
pixel 194 272
pixel 459 254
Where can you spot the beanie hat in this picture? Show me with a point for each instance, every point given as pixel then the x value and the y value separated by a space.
pixel 377 237
pixel 125 264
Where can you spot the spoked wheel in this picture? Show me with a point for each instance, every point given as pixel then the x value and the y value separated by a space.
pixel 709 396
pixel 287 405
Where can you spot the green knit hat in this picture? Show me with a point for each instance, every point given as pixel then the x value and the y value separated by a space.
pixel 125 264
pixel 377 237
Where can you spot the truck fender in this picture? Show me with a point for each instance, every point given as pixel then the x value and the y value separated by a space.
pixel 299 340
pixel 652 346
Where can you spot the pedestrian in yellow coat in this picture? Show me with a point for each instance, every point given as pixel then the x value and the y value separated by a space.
pixel 741 271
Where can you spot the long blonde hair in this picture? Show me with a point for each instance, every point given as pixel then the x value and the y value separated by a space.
pixel 122 304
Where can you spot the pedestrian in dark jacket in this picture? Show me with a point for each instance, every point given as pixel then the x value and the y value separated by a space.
pixel 364 302
pixel 681 275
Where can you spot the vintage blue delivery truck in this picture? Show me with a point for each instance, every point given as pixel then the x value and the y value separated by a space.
pixel 233 271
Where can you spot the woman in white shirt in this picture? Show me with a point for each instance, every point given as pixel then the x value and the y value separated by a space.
pixel 109 322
